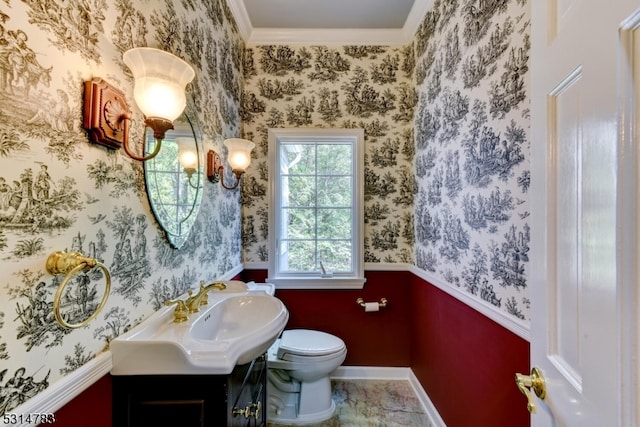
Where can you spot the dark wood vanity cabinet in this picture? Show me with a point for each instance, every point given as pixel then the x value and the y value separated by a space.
pixel 234 400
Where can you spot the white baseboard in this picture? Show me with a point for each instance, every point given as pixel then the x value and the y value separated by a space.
pixel 392 373
pixel 370 373
pixel 433 414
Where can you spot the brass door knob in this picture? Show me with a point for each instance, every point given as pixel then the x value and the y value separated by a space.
pixel 534 382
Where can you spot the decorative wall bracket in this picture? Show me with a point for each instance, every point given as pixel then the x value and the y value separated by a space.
pixel 106 114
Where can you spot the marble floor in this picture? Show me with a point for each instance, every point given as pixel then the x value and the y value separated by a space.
pixel 374 403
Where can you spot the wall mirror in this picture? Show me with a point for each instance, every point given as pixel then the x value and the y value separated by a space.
pixel 175 177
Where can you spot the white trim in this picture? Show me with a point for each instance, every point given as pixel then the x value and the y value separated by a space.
pixel 434 416
pixel 260 265
pixel 387 266
pixel 353 276
pixel 233 272
pixel 370 373
pixel 415 18
pixel 392 373
pixel 239 12
pixel 518 327
pixel 318 283
pixel 302 36
pixel 628 228
pixel 326 37
pixel 368 266
pixel 67 388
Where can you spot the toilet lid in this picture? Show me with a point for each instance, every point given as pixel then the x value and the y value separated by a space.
pixel 305 342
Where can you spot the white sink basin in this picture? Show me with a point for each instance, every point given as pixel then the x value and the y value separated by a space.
pixel 233 329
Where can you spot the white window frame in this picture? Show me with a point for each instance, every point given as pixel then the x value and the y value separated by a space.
pixel 317 280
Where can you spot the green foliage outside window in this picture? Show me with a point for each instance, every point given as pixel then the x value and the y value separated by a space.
pixel 317 206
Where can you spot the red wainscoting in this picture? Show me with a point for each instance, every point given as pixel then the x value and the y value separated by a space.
pixel 91 408
pixel 465 362
pixel 381 338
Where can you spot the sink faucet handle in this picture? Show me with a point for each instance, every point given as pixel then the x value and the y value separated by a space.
pixel 181 313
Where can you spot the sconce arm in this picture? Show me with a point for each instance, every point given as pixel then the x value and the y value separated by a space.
pixel 160 127
pixel 237 174
pixel 134 156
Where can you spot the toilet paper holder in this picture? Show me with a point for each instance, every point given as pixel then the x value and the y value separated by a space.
pixel 372 306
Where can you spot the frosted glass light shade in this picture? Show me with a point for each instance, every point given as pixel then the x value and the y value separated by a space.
pixel 160 81
pixel 187 153
pixel 239 153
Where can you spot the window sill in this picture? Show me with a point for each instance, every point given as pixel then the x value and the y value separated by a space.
pixel 318 283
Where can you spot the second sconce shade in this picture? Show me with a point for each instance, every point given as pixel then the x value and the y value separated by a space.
pixel 187 154
pixel 239 159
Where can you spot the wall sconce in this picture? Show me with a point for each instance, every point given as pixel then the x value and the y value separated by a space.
pixel 239 158
pixel 159 90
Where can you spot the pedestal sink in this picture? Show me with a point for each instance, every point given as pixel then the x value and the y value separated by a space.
pixel 233 329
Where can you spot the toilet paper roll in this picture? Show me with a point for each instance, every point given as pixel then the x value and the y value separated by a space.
pixel 371 306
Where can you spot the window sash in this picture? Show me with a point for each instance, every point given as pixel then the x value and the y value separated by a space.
pixel 290 145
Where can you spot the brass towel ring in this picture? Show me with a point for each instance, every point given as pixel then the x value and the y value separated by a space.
pixel 70 264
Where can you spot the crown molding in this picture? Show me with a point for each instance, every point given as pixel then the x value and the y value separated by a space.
pixel 302 36
pixel 239 12
pixel 305 36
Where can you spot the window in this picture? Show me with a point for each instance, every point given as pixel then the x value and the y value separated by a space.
pixel 316 208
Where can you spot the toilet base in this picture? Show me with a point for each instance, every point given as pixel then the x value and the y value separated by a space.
pixel 288 415
pixel 311 403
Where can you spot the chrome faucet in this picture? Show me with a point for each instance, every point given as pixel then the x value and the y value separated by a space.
pixel 193 302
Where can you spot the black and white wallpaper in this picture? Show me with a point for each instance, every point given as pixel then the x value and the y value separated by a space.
pixel 59 192
pixel 472 149
pixel 446 122
pixel 367 87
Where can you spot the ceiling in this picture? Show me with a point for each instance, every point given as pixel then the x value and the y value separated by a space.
pixel 328 21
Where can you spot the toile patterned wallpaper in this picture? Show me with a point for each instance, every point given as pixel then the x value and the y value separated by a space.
pixel 446 124
pixel 366 87
pixel 58 192
pixel 472 149
pixel 447 169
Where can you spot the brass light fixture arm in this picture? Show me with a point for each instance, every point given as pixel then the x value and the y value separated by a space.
pixel 215 170
pixel 70 264
pixel 159 127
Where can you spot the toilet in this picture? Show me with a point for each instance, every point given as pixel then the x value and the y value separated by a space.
pixel 298 385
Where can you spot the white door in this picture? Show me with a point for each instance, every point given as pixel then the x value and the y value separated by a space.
pixel 584 211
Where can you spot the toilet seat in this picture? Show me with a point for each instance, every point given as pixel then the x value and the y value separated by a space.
pixel 303 344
